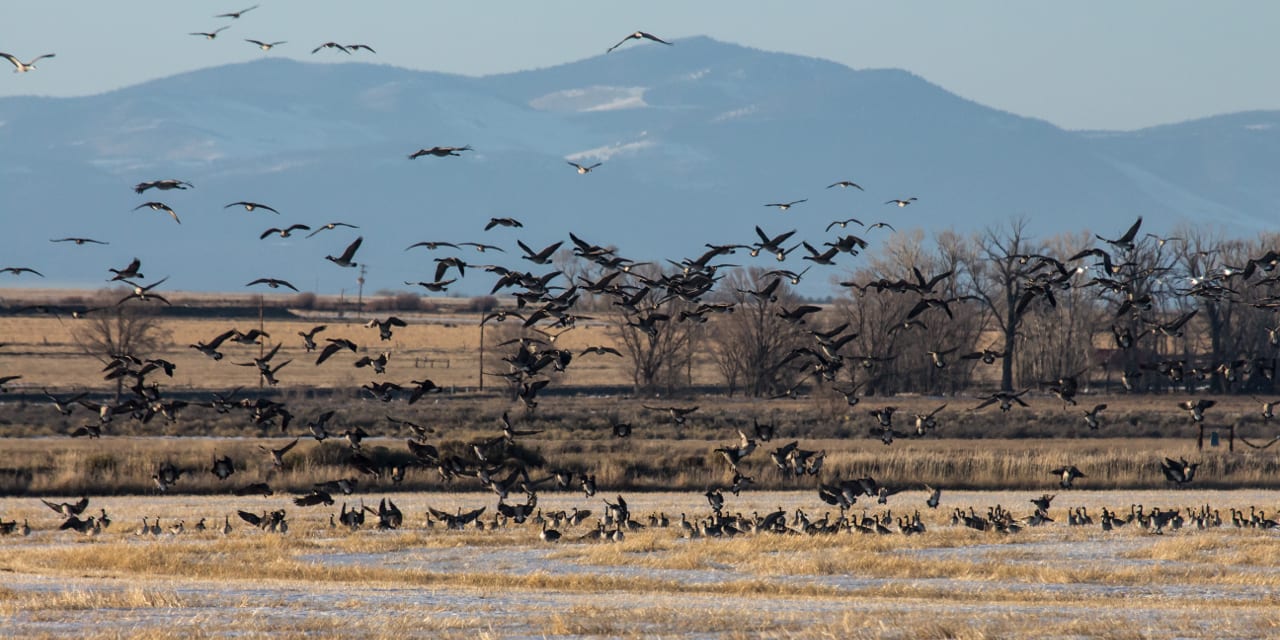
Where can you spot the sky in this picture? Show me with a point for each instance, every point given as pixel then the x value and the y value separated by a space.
pixel 1084 64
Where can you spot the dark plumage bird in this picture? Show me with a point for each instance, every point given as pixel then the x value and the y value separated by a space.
pixel 439 152
pixel 584 169
pixel 251 206
pixel 209 35
pixel 265 46
pixel 80 241
pixel 331 226
pixel 236 14
pixel 159 206
pixel 344 260
pixel 17 271
pixel 783 206
pixel 285 232
pixel 901 203
pixel 845 183
pixel 331 45
pixel 502 222
pixel 163 185
pixel 637 36
pixel 274 283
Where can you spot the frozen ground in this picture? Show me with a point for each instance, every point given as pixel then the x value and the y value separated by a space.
pixel 1053 581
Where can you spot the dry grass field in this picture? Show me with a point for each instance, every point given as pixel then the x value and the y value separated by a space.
pixel 1053 581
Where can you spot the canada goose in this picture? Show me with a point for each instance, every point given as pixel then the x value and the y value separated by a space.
pixel 843 223
pixel 129 272
pixel 285 232
pixel 583 169
pixel 1124 242
pixel 926 422
pixel 902 203
pixel 274 283
pixel 384 326
pixel 439 152
pixel 177 528
pixel 548 535
pixel 344 260
pixel 222 467
pixel 251 206
pixel 1197 408
pixel 265 46
pixel 159 206
pixel 143 292
pixel 1091 416
pixel 23 67
pixel 331 45
pixel 335 345
pixel 1005 398
pixel 329 226
pixel 1179 471
pixel 481 247
pixel 211 348
pixel 68 508
pixel 201 526
pixel 209 35
pixel 678 414
pixel 542 256
pixel 636 36
pixel 236 14
pixel 80 241
pixel 226 525
pixel 1067 475
pixel 935 496
pixel 314 498
pixel 277 455
pixel 431 245
pixel 93 431
pixel 308 337
pixel 783 206
pixel 502 222
pixel 163 185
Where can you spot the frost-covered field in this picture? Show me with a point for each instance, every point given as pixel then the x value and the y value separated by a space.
pixel 1054 580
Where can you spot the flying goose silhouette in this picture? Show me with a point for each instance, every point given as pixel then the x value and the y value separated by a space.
pixel 17 271
pixel 163 185
pixel 583 169
pixel 844 184
pixel 160 206
pixel 285 232
pixel 331 45
pixel 331 226
pixel 344 260
pixel 637 36
pixel 265 46
pixel 209 35
pixel 783 206
pixel 439 152
pixel 23 67
pixel 236 14
pixel 275 283
pixel 80 241
pixel 250 206
pixel 901 203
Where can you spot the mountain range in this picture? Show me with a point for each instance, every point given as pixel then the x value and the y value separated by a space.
pixel 694 139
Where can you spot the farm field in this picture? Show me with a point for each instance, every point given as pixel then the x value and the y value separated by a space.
pixel 1051 581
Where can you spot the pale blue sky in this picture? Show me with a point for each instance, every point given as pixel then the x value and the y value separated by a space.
pixel 1091 64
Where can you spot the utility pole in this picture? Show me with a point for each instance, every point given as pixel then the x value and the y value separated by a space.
pixel 480 368
pixel 360 291
pixel 262 346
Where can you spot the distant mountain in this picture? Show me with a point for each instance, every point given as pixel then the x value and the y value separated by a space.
pixel 694 138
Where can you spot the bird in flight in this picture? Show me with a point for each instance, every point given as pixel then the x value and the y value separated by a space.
pixel 902 203
pixel 285 232
pixel 357 47
pixel 163 185
pixel 209 35
pixel 236 14
pixel 23 67
pixel 843 223
pixel 17 271
pixel 80 240
pixel 783 206
pixel 583 170
pixel 637 36
pixel 502 222
pixel 844 184
pixel 265 46
pixel 274 283
pixel 331 45
pixel 344 260
pixel 250 206
pixel 159 206
pixel 439 152
pixel 330 226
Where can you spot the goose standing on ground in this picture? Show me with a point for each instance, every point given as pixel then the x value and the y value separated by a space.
pixel 23 67
pixel 637 36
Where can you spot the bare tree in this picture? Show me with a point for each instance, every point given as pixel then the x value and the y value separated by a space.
pixel 751 344
pixel 111 330
pixel 999 272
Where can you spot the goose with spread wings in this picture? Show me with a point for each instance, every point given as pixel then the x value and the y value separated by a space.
pixel 638 35
pixel 23 67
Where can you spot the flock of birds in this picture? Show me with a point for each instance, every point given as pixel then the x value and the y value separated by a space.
pixel 650 298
